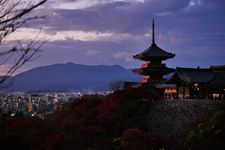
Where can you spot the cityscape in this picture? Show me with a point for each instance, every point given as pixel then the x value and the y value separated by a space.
pixel 20 104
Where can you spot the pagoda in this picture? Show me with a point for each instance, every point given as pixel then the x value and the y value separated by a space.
pixel 153 69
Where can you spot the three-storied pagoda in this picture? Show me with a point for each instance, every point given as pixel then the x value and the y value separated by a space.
pixel 153 69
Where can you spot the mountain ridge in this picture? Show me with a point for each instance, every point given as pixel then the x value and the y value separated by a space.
pixel 70 77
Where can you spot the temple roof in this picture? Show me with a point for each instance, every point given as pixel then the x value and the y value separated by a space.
pixel 154 52
pixel 196 75
pixel 208 76
pixel 218 80
pixel 218 68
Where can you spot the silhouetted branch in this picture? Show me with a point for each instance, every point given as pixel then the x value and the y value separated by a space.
pixel 13 15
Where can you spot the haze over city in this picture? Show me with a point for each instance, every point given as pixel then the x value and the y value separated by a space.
pixel 111 31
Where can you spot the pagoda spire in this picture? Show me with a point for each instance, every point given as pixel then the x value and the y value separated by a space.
pixel 153 31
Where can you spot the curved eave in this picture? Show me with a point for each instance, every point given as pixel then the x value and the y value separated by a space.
pixel 147 71
pixel 154 52
pixel 197 76
pixel 147 58
pixel 183 76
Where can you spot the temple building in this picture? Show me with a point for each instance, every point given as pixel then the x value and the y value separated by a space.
pixel 200 83
pixel 185 83
pixel 153 69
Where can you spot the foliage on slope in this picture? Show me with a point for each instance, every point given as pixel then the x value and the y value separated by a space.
pixel 115 121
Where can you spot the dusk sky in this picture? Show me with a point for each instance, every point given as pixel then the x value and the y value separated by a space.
pixel 111 31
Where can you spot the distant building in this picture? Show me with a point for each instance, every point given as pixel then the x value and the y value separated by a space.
pixel 29 106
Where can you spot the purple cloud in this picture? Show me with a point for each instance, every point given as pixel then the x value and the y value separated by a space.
pixel 193 29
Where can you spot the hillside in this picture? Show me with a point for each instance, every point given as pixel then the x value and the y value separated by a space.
pixel 135 119
pixel 70 77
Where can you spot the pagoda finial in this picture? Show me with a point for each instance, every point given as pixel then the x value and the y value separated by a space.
pixel 153 31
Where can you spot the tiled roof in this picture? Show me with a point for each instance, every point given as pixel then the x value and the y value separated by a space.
pixel 154 52
pixel 218 80
pixel 195 74
pixel 208 76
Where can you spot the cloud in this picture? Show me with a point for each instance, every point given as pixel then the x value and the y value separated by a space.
pixel 77 4
pixel 126 56
pixel 129 16
pixel 123 16
pixel 92 52
pixel 84 4
pixel 35 34
pixel 27 34
pixel 193 29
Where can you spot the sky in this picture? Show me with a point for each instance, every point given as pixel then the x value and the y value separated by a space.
pixel 110 32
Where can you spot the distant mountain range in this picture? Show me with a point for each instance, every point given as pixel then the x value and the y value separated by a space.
pixel 70 77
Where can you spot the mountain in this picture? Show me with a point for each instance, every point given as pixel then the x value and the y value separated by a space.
pixel 70 77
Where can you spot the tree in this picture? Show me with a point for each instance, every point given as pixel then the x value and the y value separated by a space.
pixel 15 14
pixel 117 85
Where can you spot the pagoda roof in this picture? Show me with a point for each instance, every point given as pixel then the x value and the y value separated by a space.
pixel 154 52
pixel 153 70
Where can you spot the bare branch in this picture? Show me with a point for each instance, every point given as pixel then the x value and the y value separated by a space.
pixel 22 13
pixel 13 15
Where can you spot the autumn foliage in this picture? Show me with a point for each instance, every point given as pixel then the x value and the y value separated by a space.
pixel 115 121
